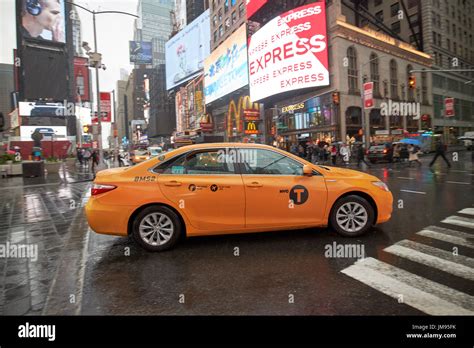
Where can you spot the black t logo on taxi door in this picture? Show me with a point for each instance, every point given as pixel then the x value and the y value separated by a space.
pixel 299 194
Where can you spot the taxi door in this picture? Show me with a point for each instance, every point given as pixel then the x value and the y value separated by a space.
pixel 277 192
pixel 207 188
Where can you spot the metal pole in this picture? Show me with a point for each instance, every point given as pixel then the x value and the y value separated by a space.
pixel 99 116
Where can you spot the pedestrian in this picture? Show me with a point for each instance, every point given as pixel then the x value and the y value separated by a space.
pixel 345 154
pixel 294 149
pixel 86 157
pixel 440 151
pixel 301 151
pixel 333 154
pixel 413 155
pixel 309 152
pixel 316 154
pixel 396 153
pixel 95 159
pixel 361 155
pixel 80 158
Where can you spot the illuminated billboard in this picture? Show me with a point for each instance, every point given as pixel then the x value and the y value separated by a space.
pixel 186 52
pixel 141 52
pixel 253 6
pixel 289 53
pixel 42 20
pixel 225 70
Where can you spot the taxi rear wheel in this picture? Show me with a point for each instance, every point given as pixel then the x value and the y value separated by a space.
pixel 352 216
pixel 156 228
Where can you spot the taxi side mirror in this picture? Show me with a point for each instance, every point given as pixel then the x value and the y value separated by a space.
pixel 307 170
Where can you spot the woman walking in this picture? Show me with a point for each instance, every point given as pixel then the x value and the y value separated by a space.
pixel 413 155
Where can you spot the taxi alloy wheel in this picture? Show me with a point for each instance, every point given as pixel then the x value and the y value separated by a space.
pixel 156 228
pixel 352 216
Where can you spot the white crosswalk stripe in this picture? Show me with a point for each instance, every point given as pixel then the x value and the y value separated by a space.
pixel 418 292
pixel 408 250
pixel 423 294
pixel 450 236
pixel 459 221
pixel 468 211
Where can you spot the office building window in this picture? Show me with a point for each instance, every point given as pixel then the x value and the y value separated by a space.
pixel 394 9
pixel 393 79
pixel 352 71
pixel 396 27
pixel 374 73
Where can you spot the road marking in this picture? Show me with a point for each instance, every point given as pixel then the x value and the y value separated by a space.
pixel 468 211
pixel 437 258
pixel 418 292
pixel 459 221
pixel 405 177
pixel 459 182
pixel 458 171
pixel 410 191
pixel 454 237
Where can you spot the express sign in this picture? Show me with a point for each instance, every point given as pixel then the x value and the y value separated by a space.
pixel 253 6
pixel 289 53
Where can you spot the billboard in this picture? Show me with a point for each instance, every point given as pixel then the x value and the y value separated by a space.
pixel 289 53
pixel 141 52
pixel 225 70
pixel 47 131
pixel 81 79
pixel 253 6
pixel 43 20
pixel 186 52
pixel 105 107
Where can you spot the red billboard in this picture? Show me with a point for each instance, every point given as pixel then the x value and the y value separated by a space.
pixel 449 107
pixel 81 79
pixel 289 53
pixel 368 95
pixel 105 107
pixel 253 6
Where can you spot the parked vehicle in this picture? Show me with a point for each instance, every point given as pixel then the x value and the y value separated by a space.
pixel 380 153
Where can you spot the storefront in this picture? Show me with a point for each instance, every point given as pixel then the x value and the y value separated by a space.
pixel 314 119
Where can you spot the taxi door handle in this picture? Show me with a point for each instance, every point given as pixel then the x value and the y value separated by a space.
pixel 254 184
pixel 172 183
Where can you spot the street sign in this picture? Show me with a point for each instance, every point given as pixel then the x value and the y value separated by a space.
pixel 368 95
pixel 448 107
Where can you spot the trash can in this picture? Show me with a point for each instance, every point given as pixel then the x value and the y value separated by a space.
pixel 33 169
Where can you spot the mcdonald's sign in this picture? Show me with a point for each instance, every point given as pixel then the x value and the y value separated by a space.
pixel 237 113
pixel 251 128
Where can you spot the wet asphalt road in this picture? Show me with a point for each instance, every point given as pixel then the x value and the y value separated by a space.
pixel 281 273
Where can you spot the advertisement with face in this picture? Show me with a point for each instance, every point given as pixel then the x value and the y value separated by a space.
pixel 289 53
pixel 186 52
pixel 42 20
pixel 225 70
pixel 141 52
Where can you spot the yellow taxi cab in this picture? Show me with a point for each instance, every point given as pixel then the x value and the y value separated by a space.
pixel 139 156
pixel 224 188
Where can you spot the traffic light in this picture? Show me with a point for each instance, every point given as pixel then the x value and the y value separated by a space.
pixel 86 129
pixel 411 82
pixel 335 98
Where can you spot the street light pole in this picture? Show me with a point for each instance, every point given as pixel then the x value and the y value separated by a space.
pixel 99 116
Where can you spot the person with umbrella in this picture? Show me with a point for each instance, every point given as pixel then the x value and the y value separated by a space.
pixel 440 151
pixel 413 155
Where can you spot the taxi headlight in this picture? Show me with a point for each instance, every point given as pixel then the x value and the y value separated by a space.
pixel 381 185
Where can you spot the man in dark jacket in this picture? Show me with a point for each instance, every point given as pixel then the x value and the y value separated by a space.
pixel 361 155
pixel 440 151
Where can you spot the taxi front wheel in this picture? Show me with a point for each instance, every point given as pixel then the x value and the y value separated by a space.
pixel 156 228
pixel 352 216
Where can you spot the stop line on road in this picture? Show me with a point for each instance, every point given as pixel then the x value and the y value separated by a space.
pixel 430 297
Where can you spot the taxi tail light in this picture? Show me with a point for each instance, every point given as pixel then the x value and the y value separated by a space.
pixel 384 150
pixel 98 189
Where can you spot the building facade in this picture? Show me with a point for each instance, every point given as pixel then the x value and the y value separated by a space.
pixel 444 30
pixel 226 17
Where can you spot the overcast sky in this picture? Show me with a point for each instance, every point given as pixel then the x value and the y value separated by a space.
pixel 113 33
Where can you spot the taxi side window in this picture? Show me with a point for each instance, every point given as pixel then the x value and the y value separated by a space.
pixel 206 162
pixel 265 162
